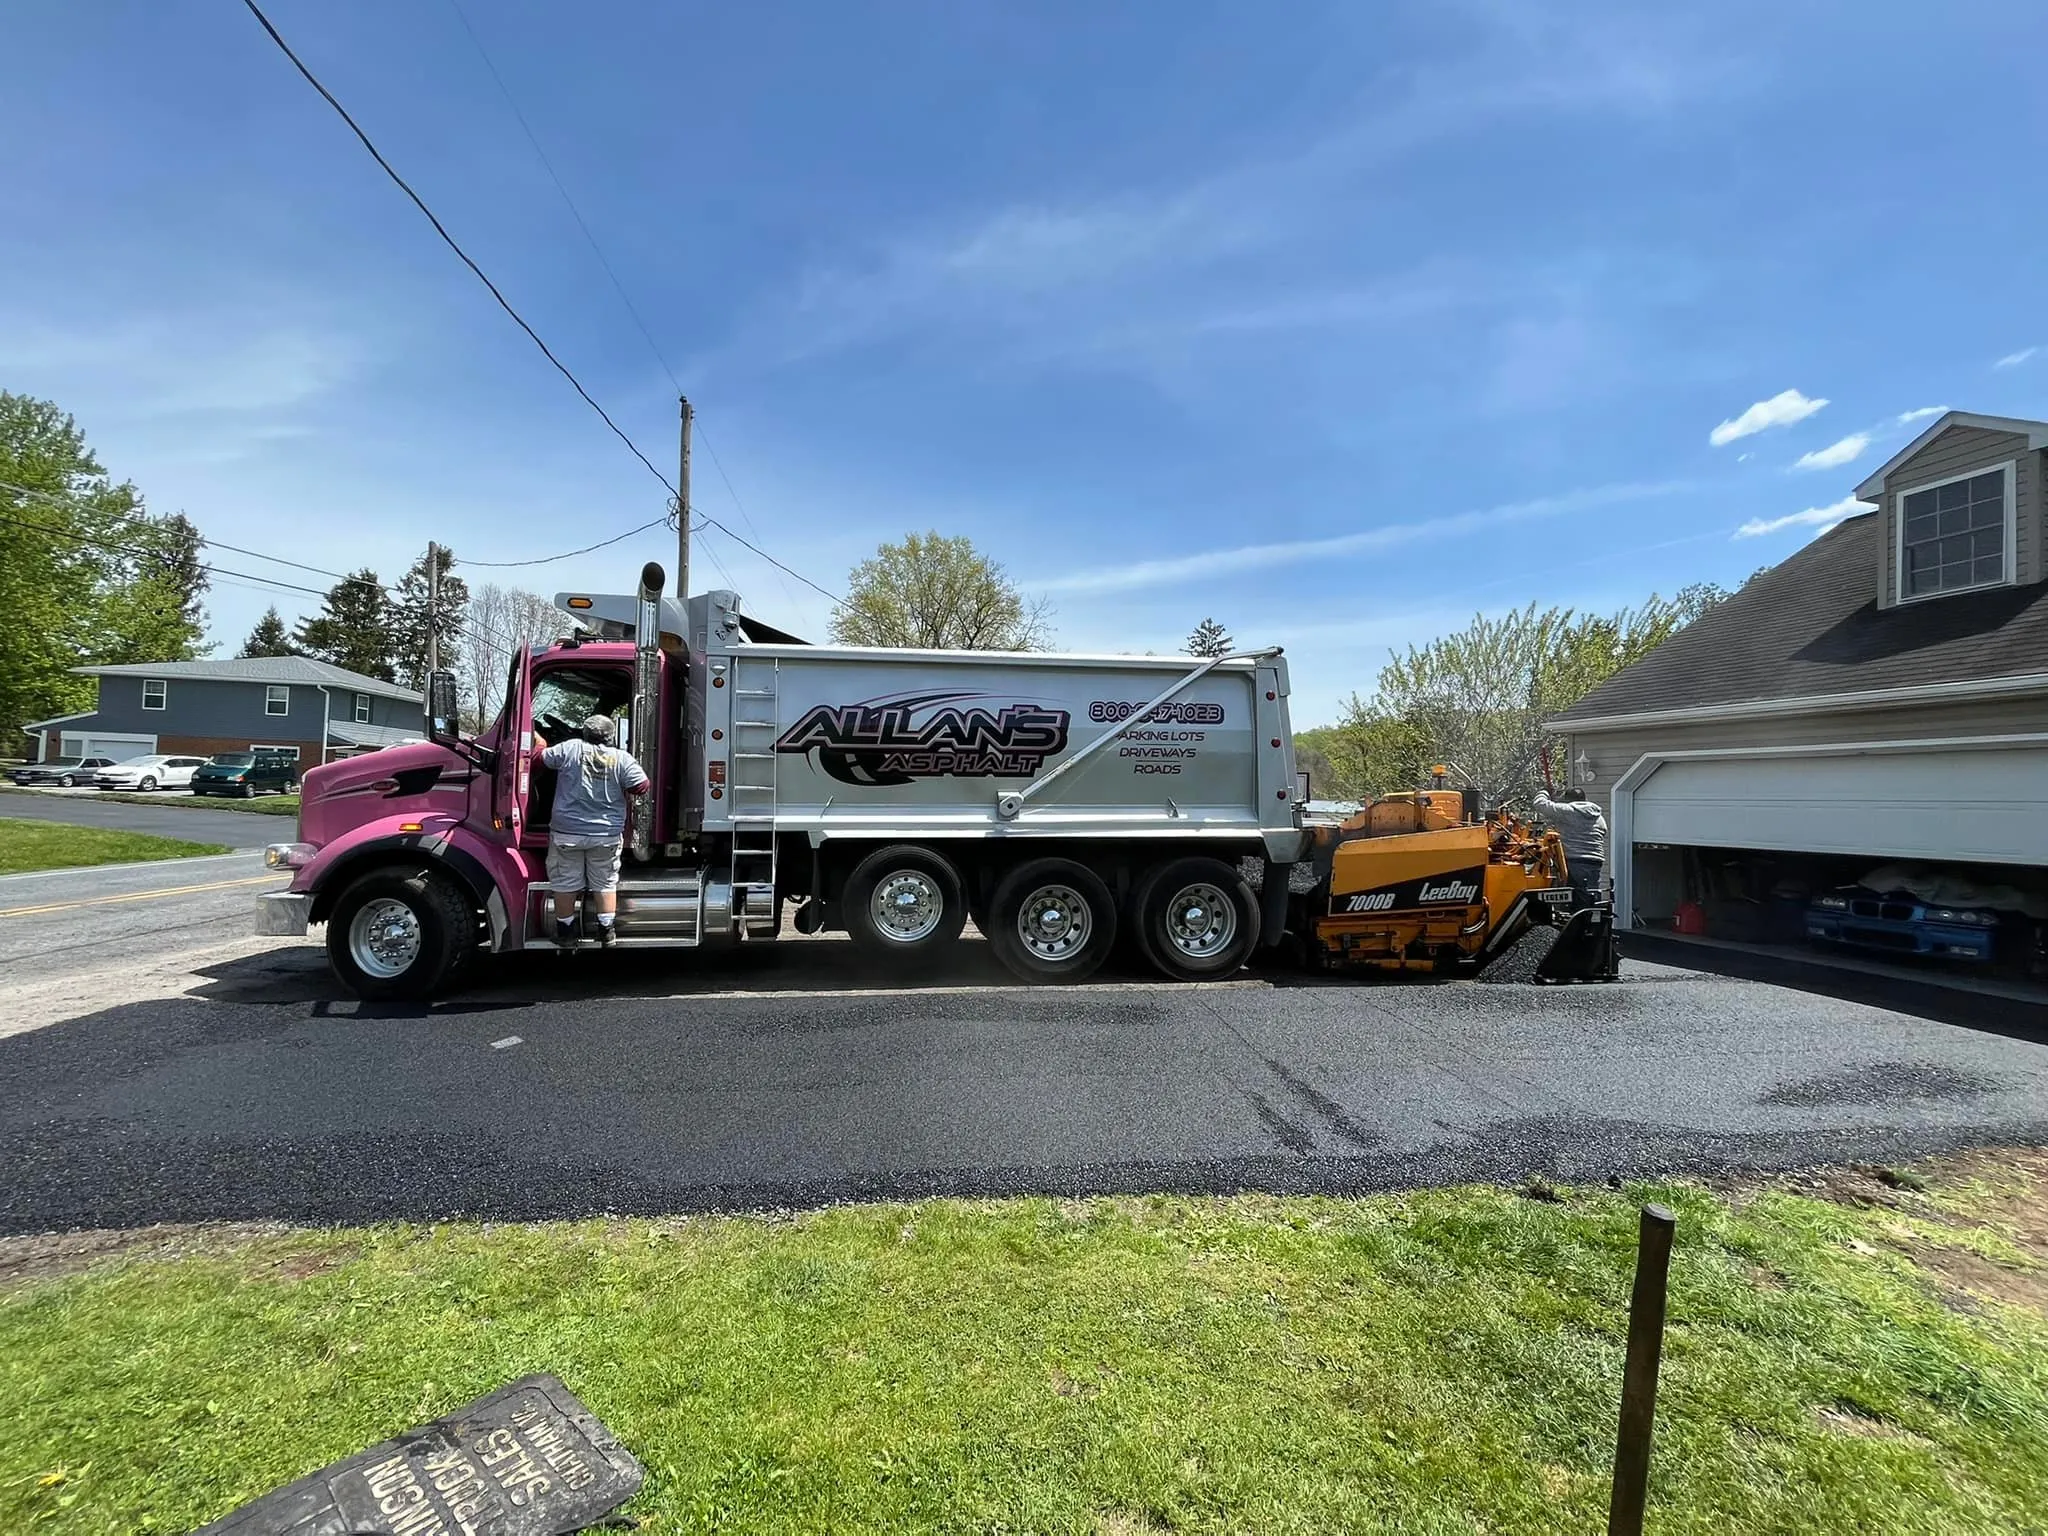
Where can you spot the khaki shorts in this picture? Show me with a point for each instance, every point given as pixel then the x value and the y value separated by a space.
pixel 583 863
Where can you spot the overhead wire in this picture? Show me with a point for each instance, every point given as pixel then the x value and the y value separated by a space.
pixel 502 565
pixel 618 286
pixel 211 570
pixel 450 241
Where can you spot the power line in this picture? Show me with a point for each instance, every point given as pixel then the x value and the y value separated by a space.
pixel 719 465
pixel 713 553
pixel 449 240
pixel 836 602
pixel 597 250
pixel 502 565
pixel 76 537
pixel 570 202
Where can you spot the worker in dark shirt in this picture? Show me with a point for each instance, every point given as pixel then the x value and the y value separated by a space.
pixel 1583 830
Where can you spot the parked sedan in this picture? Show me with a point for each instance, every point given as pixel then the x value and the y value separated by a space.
pixel 245 773
pixel 148 773
pixel 64 772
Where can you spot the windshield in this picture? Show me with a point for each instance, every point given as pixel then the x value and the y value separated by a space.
pixel 233 759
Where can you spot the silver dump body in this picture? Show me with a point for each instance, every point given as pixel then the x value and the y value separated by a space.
pixel 853 742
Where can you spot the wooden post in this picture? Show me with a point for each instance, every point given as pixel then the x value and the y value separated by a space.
pixel 1639 1376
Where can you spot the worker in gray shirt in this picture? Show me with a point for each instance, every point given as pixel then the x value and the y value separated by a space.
pixel 587 829
pixel 1583 831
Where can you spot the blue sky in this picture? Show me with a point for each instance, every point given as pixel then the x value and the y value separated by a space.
pixel 1338 323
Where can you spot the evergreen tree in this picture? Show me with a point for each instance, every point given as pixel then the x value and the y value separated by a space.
pixel 352 628
pixel 151 609
pixel 1209 639
pixel 269 637
pixel 409 620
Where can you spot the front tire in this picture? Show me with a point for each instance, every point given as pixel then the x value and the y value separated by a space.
pixel 67 782
pixel 904 903
pixel 1197 919
pixel 146 785
pixel 399 933
pixel 1052 920
pixel 248 791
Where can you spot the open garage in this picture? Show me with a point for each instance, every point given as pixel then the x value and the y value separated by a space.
pixel 1850 755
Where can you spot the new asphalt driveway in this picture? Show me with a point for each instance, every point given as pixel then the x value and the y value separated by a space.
pixel 230 829
pixel 650 1083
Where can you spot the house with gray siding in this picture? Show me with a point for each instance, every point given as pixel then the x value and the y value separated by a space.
pixel 1880 696
pixel 312 709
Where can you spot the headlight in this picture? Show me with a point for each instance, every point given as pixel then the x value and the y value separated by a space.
pixel 289 855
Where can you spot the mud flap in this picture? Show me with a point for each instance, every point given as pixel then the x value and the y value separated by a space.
pixel 1273 903
pixel 1584 950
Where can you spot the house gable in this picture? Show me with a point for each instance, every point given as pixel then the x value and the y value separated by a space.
pixel 1961 445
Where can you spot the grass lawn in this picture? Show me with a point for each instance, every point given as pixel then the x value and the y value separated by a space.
pixel 28 845
pixel 1841 1355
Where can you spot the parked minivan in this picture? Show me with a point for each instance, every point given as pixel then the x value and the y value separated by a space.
pixel 245 773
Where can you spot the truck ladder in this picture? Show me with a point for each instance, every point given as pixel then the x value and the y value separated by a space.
pixel 756 722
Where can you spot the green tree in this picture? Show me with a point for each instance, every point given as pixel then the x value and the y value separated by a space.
pixel 86 575
pixel 1208 639
pixel 352 628
pixel 936 593
pixel 269 637
pixel 408 620
pixel 151 608
pixel 1478 699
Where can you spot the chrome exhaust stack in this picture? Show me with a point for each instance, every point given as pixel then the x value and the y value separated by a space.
pixel 647 708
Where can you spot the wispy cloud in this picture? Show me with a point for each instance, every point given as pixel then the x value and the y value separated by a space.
pixel 1065 276
pixel 2014 359
pixel 1781 410
pixel 1907 418
pixel 1842 451
pixel 1812 517
pixel 1252 557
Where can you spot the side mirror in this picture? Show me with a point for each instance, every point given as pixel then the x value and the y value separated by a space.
pixel 444 709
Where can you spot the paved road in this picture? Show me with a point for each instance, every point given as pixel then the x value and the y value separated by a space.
pixel 647 1083
pixel 70 922
pixel 231 829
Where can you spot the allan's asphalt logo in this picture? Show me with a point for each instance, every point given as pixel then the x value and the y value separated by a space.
pixel 927 736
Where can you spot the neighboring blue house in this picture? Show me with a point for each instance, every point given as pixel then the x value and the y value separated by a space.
pixel 315 711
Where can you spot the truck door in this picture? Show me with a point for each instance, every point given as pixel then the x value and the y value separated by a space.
pixel 515 754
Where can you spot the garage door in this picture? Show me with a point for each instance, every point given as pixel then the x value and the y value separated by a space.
pixel 101 744
pixel 1979 804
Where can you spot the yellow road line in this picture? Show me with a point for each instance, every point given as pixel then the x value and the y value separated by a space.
pixel 169 890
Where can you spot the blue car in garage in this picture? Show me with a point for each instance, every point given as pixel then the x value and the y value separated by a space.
pixel 1900 923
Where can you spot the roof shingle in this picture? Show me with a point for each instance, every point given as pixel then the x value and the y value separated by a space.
pixel 260 669
pixel 1811 626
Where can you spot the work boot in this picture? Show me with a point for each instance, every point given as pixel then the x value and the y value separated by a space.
pixel 566 935
pixel 607 935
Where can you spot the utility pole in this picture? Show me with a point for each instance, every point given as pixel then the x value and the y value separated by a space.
pixel 683 513
pixel 433 610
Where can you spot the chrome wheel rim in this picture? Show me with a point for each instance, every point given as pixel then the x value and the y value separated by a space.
pixel 1201 921
pixel 384 938
pixel 1053 922
pixel 907 906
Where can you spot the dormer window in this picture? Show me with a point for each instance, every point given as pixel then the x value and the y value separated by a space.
pixel 1956 534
